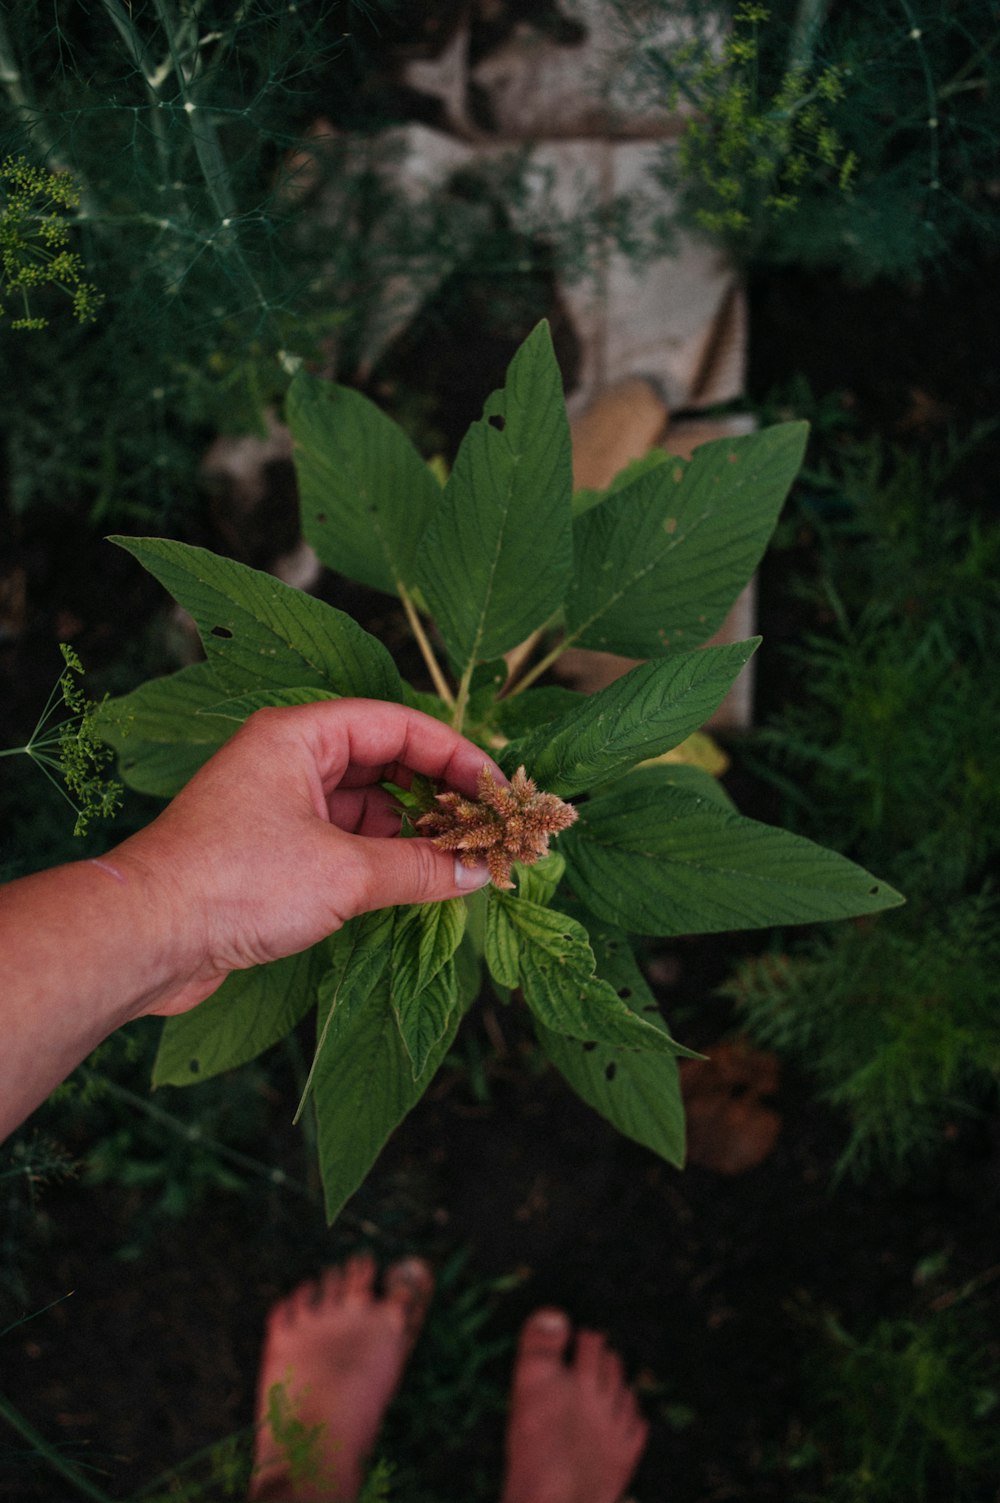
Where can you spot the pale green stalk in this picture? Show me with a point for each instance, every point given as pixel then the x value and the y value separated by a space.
pixel 427 651
pixel 540 667
pixel 462 698
pixel 808 24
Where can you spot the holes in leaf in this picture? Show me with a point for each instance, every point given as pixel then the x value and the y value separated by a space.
pixel 194 1066
pixel 497 422
pixel 223 632
pixel 589 1046
pixel 624 991
pixel 652 1007
pixel 321 518
pixel 610 1071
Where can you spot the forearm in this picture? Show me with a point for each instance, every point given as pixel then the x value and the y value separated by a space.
pixel 83 949
pixel 283 835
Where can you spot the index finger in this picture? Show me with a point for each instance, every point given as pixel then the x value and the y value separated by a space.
pixel 381 740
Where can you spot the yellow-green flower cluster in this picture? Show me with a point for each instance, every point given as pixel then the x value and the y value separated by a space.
pixel 35 242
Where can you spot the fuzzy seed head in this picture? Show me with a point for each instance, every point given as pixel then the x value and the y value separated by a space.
pixel 501 826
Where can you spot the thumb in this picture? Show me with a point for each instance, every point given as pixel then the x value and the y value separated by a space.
pixel 394 871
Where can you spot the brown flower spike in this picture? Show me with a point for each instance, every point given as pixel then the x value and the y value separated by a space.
pixel 503 826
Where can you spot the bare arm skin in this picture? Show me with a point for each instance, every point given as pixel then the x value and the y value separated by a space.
pixel 281 838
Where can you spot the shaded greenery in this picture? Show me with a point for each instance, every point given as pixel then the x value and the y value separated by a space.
pixel 890 752
pixel 852 135
pixel 907 1410
pixel 896 1022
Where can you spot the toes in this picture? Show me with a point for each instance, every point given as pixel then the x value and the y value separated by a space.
pixel 359 1276
pixel 303 1299
pixel 281 1313
pixel 409 1284
pixel 591 1352
pixel 611 1373
pixel 331 1289
pixel 544 1337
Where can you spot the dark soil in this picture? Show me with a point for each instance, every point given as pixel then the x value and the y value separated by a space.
pixel 711 1286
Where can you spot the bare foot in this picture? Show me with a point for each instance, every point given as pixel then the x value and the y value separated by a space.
pixel 338 1352
pixel 575 1433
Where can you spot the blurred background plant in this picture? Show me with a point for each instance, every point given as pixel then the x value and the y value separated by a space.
pixel 904 1410
pixel 833 132
pixel 885 745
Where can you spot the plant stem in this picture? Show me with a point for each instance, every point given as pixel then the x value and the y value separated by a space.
pixel 808 23
pixel 462 699
pixel 38 1443
pixel 931 96
pixel 540 667
pixel 426 650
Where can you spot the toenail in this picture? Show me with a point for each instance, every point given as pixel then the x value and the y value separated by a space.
pixel 549 1320
pixel 412 1275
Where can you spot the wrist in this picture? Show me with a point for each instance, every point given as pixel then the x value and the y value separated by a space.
pixel 166 969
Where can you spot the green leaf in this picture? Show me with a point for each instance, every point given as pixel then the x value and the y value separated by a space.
pixel 357 956
pixel 429 704
pixel 487 681
pixel 584 499
pixel 502 945
pixel 244 705
pixel 556 970
pixel 365 493
pixel 524 712
pixel 648 711
pixel 659 563
pixel 539 881
pixel 468 973
pixel 681 775
pixel 424 938
pixel 261 633
pixel 638 1093
pixel 364 1087
pixel 616 963
pixel 658 859
pixel 423 988
pixel 423 1017
pixel 497 554
pixel 157 730
pixel 251 1011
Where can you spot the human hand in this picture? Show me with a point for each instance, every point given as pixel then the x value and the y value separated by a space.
pixel 285 834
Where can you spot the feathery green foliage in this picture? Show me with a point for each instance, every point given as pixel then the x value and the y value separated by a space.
pixel 853 135
pixel 890 752
pixel 906 1411
pixel 898 1025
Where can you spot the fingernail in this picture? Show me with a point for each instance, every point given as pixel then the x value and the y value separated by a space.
pixel 469 878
